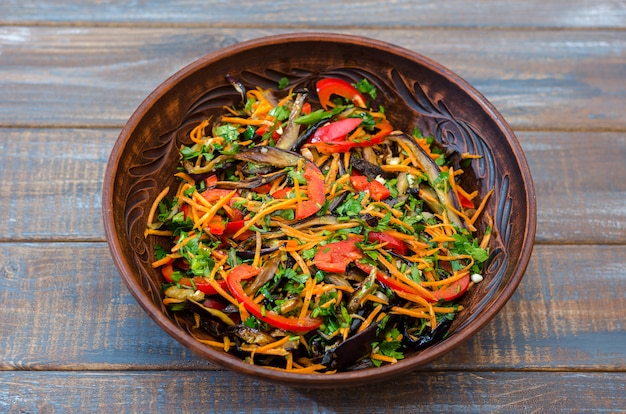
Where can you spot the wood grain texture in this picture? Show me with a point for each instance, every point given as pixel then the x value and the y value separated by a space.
pixel 72 339
pixel 577 202
pixel 193 391
pixel 94 76
pixel 52 183
pixel 71 308
pixel 297 13
pixel 580 185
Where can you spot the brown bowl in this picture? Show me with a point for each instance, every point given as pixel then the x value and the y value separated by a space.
pixel 145 157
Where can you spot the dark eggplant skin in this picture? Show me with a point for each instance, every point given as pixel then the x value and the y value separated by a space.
pixel 427 339
pixel 237 85
pixel 353 349
pixel 368 169
pixel 213 321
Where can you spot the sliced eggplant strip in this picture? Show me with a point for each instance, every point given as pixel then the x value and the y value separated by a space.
pixel 237 85
pixel 269 269
pixel 270 156
pixel 252 182
pixel 368 169
pixel 432 170
pixel 291 130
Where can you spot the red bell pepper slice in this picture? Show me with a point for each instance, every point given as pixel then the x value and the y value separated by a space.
pixel 213 195
pixel 454 291
pixel 465 202
pixel 263 189
pixel 201 283
pixel 359 182
pixel 287 323
pixel 315 192
pixel 233 227
pixel 282 193
pixel 335 131
pixel 217 225
pixel 264 128
pixel 186 209
pixel 331 138
pixel 335 257
pixel 211 181
pixel 377 190
pixel 328 87
pixel 234 214
pixel 306 108
pixel 393 243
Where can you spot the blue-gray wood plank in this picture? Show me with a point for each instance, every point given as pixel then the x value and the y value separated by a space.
pixel 97 76
pixel 321 14
pixel 223 392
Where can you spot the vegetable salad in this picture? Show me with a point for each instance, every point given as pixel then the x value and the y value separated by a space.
pixel 307 234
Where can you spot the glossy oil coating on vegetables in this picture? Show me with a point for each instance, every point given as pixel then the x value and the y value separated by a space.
pixel 307 234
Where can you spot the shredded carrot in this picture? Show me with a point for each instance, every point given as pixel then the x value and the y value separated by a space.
pixel 268 210
pixel 216 285
pixel 469 196
pixel 402 277
pixel 308 290
pixel 213 210
pixel 148 232
pixel 155 205
pixel 393 220
pixel 272 345
pixel 300 235
pixel 383 358
pixel 420 300
pixel 487 236
pixel 257 250
pixel 312 369
pixel 481 207
pixel 167 259
pixel 185 177
pixel 370 318
pixel 198 132
pixel 215 344
pixel 246 121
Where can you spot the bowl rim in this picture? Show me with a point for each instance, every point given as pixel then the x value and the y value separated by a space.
pixel 339 379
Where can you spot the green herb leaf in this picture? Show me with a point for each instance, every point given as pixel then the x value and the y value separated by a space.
pixel 228 132
pixel 364 86
pixel 313 117
pixel 280 112
pixel 283 82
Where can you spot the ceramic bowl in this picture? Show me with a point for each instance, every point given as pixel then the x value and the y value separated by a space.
pixel 411 86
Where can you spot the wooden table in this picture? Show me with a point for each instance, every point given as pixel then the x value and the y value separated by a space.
pixel 72 339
